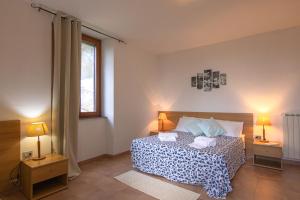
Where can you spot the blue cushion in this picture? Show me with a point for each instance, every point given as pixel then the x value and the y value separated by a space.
pixel 211 128
pixel 194 128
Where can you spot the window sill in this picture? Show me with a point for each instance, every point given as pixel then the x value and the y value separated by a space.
pixel 92 117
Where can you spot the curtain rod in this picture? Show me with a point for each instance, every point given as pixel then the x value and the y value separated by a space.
pixel 291 115
pixel 85 26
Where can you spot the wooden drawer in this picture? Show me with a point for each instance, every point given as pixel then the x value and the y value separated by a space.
pixel 268 151
pixel 49 171
pixel 269 162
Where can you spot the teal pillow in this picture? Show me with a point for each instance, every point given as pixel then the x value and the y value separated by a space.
pixel 194 128
pixel 211 128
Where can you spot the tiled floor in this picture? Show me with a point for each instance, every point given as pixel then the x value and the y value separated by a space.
pixel 250 183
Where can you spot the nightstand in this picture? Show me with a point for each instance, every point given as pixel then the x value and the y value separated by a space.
pixel 267 155
pixel 44 177
pixel 153 133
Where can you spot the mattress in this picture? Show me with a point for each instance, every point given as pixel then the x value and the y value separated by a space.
pixel 211 167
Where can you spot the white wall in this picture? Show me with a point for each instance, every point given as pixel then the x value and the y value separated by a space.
pixel 262 76
pixel 128 80
pixel 129 101
pixel 129 93
pixel 136 81
pixel 25 78
pixel 91 138
pixel 25 67
pixel 108 91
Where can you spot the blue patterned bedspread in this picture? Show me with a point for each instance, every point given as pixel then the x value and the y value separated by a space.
pixel 211 167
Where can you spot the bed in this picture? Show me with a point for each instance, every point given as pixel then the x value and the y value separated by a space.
pixel 211 167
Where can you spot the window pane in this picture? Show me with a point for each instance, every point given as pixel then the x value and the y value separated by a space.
pixel 88 67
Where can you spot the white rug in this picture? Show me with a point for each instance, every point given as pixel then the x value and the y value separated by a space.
pixel 155 187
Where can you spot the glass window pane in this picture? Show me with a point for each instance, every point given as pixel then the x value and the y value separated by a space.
pixel 88 72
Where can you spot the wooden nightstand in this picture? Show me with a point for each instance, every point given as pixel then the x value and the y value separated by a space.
pixel 44 177
pixel 153 133
pixel 266 155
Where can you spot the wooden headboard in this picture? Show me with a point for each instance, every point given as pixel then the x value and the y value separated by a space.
pixel 10 151
pixel 247 118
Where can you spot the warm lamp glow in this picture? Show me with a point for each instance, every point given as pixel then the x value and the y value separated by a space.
pixel 260 102
pixel 37 129
pixel 162 116
pixel 263 120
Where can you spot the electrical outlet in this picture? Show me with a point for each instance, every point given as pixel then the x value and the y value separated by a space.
pixel 257 137
pixel 26 155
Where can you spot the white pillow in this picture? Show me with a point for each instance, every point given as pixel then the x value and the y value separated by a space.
pixel 183 123
pixel 233 129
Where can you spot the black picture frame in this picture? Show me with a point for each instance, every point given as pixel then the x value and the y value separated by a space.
pixel 194 81
pixel 199 81
pixel 207 80
pixel 223 79
pixel 216 77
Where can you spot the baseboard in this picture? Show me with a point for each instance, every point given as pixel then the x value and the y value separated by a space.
pixel 101 157
pixel 92 159
pixel 291 162
pixel 119 154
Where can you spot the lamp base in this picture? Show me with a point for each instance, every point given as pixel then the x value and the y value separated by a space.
pixel 38 158
pixel 264 141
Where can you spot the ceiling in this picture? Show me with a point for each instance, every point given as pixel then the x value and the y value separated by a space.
pixel 163 26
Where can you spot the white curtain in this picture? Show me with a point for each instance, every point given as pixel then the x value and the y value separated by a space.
pixel 66 88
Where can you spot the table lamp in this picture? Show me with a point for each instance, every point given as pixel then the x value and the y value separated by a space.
pixel 263 120
pixel 37 129
pixel 162 117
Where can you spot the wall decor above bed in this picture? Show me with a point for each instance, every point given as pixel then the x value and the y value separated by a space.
pixel 209 80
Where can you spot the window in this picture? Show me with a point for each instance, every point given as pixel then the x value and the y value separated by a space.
pixel 90 77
